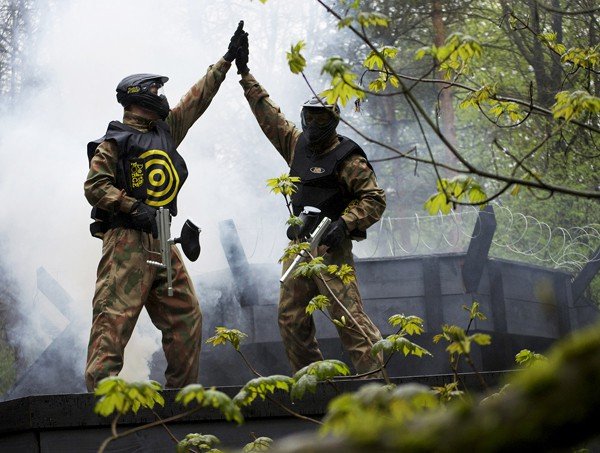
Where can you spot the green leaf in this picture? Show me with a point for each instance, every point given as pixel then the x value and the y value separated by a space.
pixel 259 444
pixel 224 335
pixel 284 184
pixel 307 378
pixel 296 60
pixel 210 398
pixel 293 250
pixel 411 325
pixel 117 395
pixel 474 312
pixel 398 343
pixel 374 61
pixel 528 358
pixel 319 302
pixel 305 383
pixel 310 269
pixel 448 391
pixel 202 442
pixel 261 387
pixel 572 105
pixel 343 85
pixel 375 19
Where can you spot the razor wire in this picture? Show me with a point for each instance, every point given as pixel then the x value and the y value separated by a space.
pixel 518 237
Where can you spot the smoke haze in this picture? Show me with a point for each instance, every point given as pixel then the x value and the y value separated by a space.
pixel 83 49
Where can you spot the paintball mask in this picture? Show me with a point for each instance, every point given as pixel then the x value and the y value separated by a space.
pixel 319 120
pixel 145 90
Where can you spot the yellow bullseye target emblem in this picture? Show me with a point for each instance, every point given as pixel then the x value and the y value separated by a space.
pixel 163 179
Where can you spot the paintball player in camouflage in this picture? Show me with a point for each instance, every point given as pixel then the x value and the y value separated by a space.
pixel 336 177
pixel 134 169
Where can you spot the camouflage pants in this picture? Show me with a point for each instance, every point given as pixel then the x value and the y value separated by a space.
pixel 297 328
pixel 126 283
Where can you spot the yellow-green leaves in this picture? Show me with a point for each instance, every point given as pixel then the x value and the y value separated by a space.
pixel 527 358
pixel 460 189
pixel 261 387
pixel 344 272
pixel 210 398
pixel 259 444
pixel 586 58
pixel 374 61
pixel 447 392
pixel 308 377
pixel 295 59
pixel 204 443
pixel 343 82
pixel 486 97
pixel 284 184
pixel 224 335
pixel 372 411
pixel 571 105
pixel 410 325
pixel 310 269
pixel 455 55
pixel 474 312
pixel 549 39
pixel 459 341
pixel 372 19
pixel 117 395
pixel 292 250
pixel 319 302
pixel 398 343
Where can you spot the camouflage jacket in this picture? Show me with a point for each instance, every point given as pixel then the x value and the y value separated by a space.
pixel 99 187
pixel 355 176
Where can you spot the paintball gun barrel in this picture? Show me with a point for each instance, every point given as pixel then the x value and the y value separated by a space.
pixel 313 239
pixel 189 240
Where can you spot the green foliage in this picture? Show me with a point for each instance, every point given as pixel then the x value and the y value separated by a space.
pixel 343 86
pixel 460 189
pixel 527 358
pixel 319 302
pixel 549 39
pixel 398 343
pixel 295 59
pixel 311 268
pixel 308 377
pixel 474 312
pixel 224 335
pixel 261 387
pixel 344 272
pixel 259 444
pixel 409 325
pixel 374 409
pixel 572 105
pixel 198 442
pixel 374 61
pixel 372 19
pixel 294 221
pixel 117 395
pixel 485 97
pixel 294 249
pixel 588 58
pixel 284 184
pixel 448 392
pixel 210 398
pixel 459 341
pixel 455 55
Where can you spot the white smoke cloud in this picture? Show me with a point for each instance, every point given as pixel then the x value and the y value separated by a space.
pixel 83 49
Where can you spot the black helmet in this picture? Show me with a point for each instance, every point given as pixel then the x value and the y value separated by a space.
pixel 319 131
pixel 135 89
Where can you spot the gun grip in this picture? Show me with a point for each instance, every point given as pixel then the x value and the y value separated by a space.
pixel 190 240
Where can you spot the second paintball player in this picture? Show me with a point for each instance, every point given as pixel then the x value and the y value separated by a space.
pixel 337 178
pixel 135 169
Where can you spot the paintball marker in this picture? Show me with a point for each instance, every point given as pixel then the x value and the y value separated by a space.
pixel 309 217
pixel 189 240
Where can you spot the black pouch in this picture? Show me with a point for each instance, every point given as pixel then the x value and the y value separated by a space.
pixel 137 183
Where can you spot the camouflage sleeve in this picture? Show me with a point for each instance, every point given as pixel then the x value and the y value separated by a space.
pixel 99 187
pixel 368 201
pixel 283 134
pixel 193 104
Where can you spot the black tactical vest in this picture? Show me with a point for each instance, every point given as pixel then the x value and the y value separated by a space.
pixel 149 167
pixel 319 185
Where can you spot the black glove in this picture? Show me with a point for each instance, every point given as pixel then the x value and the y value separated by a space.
pixel 241 59
pixel 335 234
pixel 235 43
pixel 143 217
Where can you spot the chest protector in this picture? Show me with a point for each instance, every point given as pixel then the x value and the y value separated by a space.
pixel 149 167
pixel 319 185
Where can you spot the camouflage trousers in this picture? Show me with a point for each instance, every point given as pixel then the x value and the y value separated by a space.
pixel 125 284
pixel 297 328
